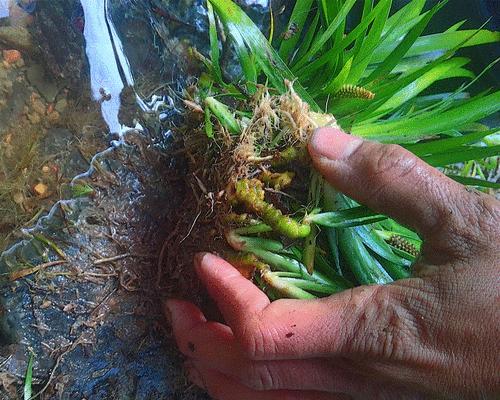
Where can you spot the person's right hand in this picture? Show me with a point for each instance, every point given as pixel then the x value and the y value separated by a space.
pixel 434 335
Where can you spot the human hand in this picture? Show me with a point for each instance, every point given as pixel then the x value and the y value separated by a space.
pixel 434 335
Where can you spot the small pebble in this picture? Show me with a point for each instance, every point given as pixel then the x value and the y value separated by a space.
pixel 34 118
pixel 53 117
pixel 46 304
pixel 41 189
pixel 38 107
pixel 61 105
pixel 18 198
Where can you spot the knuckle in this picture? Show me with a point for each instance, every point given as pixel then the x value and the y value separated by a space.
pixel 255 341
pixel 472 226
pixel 389 159
pixel 380 325
pixel 487 217
pixel 259 376
pixel 384 165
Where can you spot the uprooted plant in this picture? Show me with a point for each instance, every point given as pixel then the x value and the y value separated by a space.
pixel 253 194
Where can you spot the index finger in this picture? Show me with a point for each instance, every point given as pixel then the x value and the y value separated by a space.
pixel 392 181
pixel 291 329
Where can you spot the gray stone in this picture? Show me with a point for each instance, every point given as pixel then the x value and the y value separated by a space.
pixel 47 88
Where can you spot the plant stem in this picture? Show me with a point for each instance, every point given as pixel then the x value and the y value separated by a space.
pixel 253 229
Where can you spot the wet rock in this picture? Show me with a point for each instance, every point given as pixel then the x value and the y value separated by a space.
pixel 38 106
pixel 38 78
pixel 5 84
pixel 62 46
pixel 16 37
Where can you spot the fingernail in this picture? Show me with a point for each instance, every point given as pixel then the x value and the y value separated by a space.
pixel 193 375
pixel 198 258
pixel 333 144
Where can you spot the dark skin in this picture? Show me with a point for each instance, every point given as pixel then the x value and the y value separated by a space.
pixel 435 335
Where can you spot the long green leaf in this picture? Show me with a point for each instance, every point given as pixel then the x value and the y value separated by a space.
pixel 340 80
pixel 368 11
pixel 336 22
pixel 428 62
pixel 475 182
pixel 346 218
pixel 445 145
pixel 365 268
pixel 297 19
pixel 323 288
pixel 245 57
pixel 441 42
pixel 379 246
pixel 214 43
pixel 470 153
pixel 28 385
pixel 288 264
pixel 305 44
pixel 447 69
pixel 356 33
pixel 402 49
pixel 395 85
pixel 409 12
pixel 413 129
pixel 240 26
pixel 365 55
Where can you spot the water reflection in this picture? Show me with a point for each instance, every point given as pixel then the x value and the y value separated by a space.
pixel 109 67
pixel 4 8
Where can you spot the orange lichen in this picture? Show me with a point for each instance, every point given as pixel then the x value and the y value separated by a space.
pixel 11 56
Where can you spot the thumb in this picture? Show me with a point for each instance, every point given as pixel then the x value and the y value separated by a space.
pixel 390 180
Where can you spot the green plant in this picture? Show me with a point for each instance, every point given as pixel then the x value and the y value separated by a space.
pixel 296 235
pixel 28 379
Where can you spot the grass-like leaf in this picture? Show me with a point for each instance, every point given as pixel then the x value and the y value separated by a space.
pixel 336 22
pixel 346 218
pixel 356 35
pixel 446 145
pixel 475 182
pixel 441 42
pixel 447 69
pixel 249 38
pixel 414 129
pixel 28 379
pixel 214 44
pixel 401 50
pixel 297 20
pixel 469 153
